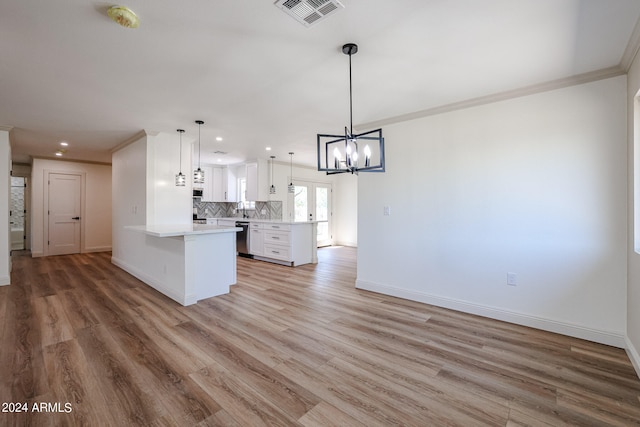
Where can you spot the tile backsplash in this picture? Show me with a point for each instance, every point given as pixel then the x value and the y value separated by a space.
pixel 263 210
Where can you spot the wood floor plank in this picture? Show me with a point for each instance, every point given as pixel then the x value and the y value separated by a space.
pixel 71 381
pixel 287 346
pixel 53 323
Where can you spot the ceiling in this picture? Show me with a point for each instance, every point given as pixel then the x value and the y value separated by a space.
pixel 259 78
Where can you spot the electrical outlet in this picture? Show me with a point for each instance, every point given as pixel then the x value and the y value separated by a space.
pixel 512 279
pixel 387 211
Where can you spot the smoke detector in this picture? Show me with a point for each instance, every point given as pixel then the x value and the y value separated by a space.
pixel 309 12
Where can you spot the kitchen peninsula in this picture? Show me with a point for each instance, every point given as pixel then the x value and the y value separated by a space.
pixel 188 263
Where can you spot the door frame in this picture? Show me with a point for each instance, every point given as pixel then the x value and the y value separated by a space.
pixel 313 183
pixel 83 181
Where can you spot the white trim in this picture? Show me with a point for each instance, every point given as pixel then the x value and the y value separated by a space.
pixel 632 48
pixel 577 331
pixel 5 280
pixel 184 300
pixel 496 97
pixel 633 354
pixel 97 249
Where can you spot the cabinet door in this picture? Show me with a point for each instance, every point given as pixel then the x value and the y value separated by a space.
pixel 207 189
pixel 256 241
pixel 230 192
pixel 217 184
pixel 252 182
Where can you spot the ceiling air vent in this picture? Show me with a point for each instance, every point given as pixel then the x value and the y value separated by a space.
pixel 308 12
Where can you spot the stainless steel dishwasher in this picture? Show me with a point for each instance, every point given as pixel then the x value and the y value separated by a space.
pixel 242 239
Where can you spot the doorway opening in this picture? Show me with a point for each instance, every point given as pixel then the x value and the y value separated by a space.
pixel 18 213
pixel 312 202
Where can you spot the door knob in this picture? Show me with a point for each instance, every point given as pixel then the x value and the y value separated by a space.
pixel 76 217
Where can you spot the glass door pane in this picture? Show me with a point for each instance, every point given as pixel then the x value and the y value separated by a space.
pixel 301 203
pixel 312 202
pixel 323 212
pixel 17 213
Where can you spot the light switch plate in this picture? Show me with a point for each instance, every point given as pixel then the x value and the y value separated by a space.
pixel 387 211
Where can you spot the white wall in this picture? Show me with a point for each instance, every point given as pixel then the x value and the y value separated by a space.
pixel 345 209
pixel 5 182
pixel 534 185
pixel 97 204
pixel 144 193
pixel 166 203
pixel 633 285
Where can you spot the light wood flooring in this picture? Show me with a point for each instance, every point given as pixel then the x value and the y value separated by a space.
pixel 287 346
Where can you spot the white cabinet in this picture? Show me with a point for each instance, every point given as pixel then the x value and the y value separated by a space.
pixel 289 244
pixel 223 185
pixel 207 186
pixel 257 181
pixel 227 222
pixel 256 239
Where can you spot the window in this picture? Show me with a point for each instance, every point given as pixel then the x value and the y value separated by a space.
pixel 242 195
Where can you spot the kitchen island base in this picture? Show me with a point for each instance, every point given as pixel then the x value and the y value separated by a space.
pixel 187 264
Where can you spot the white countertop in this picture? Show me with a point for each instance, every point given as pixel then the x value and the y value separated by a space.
pixel 276 221
pixel 173 230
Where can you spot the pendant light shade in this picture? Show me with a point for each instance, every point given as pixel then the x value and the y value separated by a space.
pixel 344 153
pixel 198 174
pixel 291 188
pixel 181 179
pixel 272 189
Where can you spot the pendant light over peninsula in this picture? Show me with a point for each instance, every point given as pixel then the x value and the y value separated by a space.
pixel 198 174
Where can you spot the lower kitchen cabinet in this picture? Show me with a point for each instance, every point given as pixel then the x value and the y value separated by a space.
pixel 284 243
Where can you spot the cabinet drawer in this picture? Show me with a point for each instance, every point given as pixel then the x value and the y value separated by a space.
pixel 256 225
pixel 281 227
pixel 277 252
pixel 277 237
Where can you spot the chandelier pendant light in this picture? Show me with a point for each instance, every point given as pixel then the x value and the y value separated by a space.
pixel 291 188
pixel 198 174
pixel 343 153
pixel 272 189
pixel 181 178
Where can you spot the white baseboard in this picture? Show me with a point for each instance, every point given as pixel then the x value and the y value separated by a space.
pixel 186 300
pixel 5 280
pixel 550 325
pixel 97 249
pixel 633 354
pixel 37 254
pixel 345 243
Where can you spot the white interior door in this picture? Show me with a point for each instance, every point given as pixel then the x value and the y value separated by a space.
pixel 64 213
pixel 312 202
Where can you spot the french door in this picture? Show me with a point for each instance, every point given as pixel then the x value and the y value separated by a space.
pixel 312 202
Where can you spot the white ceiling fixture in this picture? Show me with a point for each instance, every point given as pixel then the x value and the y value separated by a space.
pixel 309 12
pixel 124 16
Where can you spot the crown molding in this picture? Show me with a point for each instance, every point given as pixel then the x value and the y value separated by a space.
pixel 58 159
pixel 632 49
pixel 138 136
pixel 578 79
pixel 6 128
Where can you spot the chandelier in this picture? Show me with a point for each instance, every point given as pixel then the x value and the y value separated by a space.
pixel 351 152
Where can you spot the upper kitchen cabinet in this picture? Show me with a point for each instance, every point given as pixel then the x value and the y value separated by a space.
pixel 224 184
pixel 257 181
pixel 206 187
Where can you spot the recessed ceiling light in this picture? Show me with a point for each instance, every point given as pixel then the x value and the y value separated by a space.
pixel 268 148
pixel 218 138
pixel 64 143
pixel 59 153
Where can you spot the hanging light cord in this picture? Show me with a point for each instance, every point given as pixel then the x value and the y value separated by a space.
pixel 350 97
pixel 180 130
pixel 199 145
